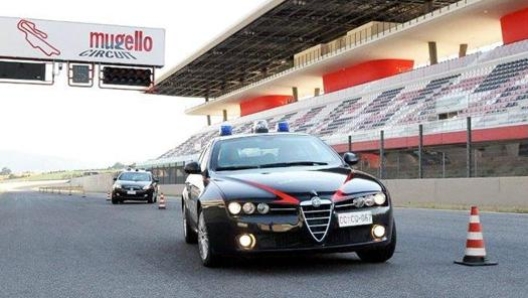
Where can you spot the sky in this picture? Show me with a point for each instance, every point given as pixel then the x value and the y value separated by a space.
pixel 100 127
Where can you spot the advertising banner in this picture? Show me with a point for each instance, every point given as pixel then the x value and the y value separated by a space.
pixel 81 42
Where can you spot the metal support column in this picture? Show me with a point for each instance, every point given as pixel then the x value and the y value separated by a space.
pixel 462 50
pixel 295 94
pixel 469 157
pixel 382 153
pixel 433 54
pixel 420 151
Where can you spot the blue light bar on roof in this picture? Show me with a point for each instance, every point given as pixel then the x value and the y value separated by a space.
pixel 283 126
pixel 226 130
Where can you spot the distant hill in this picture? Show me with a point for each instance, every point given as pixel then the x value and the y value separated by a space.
pixel 20 162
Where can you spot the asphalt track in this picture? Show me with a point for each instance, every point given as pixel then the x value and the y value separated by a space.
pixel 70 246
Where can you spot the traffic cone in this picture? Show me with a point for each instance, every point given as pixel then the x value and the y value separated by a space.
pixel 108 196
pixel 161 202
pixel 475 254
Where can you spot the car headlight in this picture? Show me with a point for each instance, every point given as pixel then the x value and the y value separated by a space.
pixel 370 201
pixel 234 208
pixel 379 199
pixel 116 186
pixel 147 187
pixel 263 208
pixel 249 208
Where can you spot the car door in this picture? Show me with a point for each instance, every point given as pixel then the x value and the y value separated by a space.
pixel 195 184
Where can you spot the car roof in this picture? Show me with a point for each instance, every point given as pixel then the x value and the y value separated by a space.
pixel 246 135
pixel 134 171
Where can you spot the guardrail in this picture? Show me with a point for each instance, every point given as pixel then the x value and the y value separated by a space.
pixel 63 189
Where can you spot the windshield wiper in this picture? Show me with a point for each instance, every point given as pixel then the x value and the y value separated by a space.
pixel 293 163
pixel 234 168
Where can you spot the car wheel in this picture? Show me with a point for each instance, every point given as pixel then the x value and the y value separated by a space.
pixel 188 233
pixel 209 259
pixel 149 199
pixel 114 201
pixel 379 255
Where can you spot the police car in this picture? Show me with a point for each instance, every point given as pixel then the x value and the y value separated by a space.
pixel 135 185
pixel 283 192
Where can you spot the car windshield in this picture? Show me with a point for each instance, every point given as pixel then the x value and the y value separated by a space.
pixel 135 176
pixel 271 151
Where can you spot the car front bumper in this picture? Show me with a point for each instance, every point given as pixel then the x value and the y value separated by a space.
pixel 137 195
pixel 290 233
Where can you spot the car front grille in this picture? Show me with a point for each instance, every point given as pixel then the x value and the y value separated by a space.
pixel 348 205
pixel 132 187
pixel 317 215
pixel 282 209
pixel 351 235
pixel 284 241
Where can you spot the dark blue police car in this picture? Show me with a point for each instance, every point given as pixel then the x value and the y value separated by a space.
pixel 283 192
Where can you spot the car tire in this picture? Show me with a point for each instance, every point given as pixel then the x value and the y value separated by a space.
pixel 208 257
pixel 189 234
pixel 114 201
pixel 149 199
pixel 380 255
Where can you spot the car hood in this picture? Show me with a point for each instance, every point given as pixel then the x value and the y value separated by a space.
pixel 294 186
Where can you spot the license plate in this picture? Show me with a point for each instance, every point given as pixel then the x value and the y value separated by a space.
pixel 131 192
pixel 352 219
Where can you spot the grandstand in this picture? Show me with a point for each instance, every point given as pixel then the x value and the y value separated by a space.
pixel 463 117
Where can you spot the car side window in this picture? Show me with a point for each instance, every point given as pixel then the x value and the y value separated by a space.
pixel 204 158
pixel 200 158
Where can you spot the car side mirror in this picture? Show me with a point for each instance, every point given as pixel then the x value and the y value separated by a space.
pixel 350 158
pixel 192 168
pixel 115 178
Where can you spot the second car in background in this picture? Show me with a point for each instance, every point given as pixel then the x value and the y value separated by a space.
pixel 137 185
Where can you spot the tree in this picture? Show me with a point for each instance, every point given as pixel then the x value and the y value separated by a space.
pixel 5 171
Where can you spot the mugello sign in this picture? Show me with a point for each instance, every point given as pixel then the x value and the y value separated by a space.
pixel 81 42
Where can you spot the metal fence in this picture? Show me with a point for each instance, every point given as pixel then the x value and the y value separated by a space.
pixel 461 158
pixel 169 174
pixel 490 159
pixel 456 160
pixel 500 159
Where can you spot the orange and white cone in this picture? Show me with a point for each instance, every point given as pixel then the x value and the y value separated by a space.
pixel 475 254
pixel 161 202
pixel 108 196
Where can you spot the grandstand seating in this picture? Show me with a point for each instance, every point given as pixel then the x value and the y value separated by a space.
pixel 493 86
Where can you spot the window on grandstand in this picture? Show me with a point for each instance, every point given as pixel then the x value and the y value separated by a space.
pixel 449 115
pixel 523 149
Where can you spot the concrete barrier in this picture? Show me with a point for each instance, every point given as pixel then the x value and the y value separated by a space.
pixel 496 193
pixel 102 183
pixel 63 189
pixel 172 189
pixel 96 183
